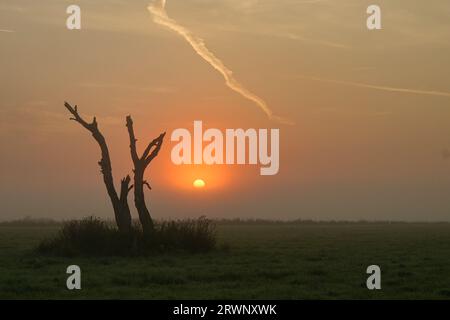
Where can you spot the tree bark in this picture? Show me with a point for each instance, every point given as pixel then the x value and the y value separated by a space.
pixel 120 204
pixel 140 164
pixel 124 217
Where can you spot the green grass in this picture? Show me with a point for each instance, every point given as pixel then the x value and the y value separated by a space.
pixel 257 261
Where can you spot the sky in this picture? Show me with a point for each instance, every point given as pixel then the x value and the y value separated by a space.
pixel 368 111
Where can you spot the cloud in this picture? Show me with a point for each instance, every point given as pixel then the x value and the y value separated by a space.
pixel 382 88
pixel 7 30
pixel 154 89
pixel 314 41
pixel 157 9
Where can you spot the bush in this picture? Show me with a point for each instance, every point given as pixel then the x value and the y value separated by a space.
pixel 94 237
pixel 194 235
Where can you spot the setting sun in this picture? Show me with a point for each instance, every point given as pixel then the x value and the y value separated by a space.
pixel 199 183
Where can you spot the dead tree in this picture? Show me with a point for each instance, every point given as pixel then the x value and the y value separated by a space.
pixel 140 164
pixel 120 203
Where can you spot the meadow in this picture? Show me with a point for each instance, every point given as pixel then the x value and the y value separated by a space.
pixel 256 260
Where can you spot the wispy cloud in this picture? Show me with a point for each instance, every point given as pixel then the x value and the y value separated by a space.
pixel 98 85
pixel 380 87
pixel 7 30
pixel 315 41
pixel 158 11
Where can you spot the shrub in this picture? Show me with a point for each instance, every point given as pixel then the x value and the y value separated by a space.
pixel 94 237
pixel 194 235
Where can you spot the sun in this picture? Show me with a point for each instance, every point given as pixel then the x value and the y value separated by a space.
pixel 199 183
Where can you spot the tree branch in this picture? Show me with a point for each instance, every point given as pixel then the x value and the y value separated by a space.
pixel 157 143
pixel 76 117
pixel 153 143
pixel 145 183
pixel 124 188
pixel 133 140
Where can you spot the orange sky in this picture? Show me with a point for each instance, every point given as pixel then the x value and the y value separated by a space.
pixel 360 148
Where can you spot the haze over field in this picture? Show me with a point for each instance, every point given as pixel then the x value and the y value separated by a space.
pixel 371 108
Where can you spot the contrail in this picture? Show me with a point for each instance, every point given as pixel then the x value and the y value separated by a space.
pixel 158 11
pixel 383 88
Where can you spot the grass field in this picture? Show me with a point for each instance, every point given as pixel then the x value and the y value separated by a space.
pixel 256 261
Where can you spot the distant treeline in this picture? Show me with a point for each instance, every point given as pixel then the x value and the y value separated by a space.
pixel 30 222
pixel 237 221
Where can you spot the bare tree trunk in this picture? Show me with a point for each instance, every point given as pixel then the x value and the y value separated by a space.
pixel 120 205
pixel 139 201
pixel 140 164
pixel 123 219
